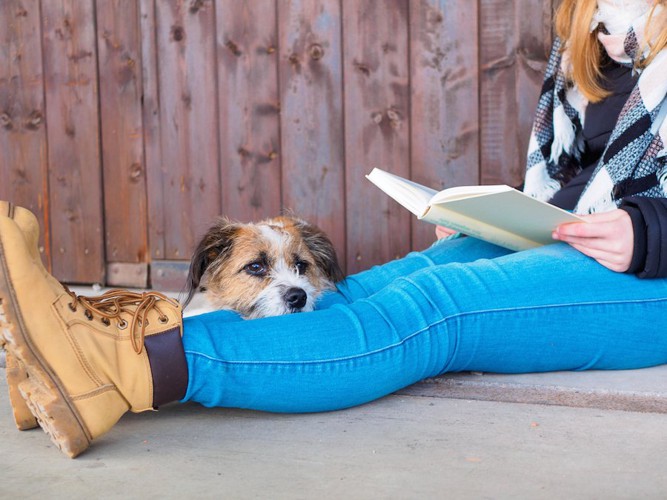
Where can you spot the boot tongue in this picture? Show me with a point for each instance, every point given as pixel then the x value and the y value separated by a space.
pixel 169 367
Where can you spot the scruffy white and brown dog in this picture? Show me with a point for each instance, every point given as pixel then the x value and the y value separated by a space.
pixel 269 268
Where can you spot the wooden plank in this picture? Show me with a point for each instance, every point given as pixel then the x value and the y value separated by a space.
pixel 70 70
pixel 312 142
pixel 188 178
pixel 534 21
pixel 249 117
pixel 23 167
pixel 125 212
pixel 444 98
pixel 125 274
pixel 152 138
pixel 500 157
pixel 169 275
pixel 377 128
pixel 514 43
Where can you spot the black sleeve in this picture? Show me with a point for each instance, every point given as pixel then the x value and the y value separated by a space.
pixel 649 223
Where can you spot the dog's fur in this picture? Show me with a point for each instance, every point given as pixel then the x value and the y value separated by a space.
pixel 269 268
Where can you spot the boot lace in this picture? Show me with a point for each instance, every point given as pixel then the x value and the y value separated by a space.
pixel 110 305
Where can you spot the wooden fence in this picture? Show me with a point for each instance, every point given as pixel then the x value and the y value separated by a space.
pixel 128 125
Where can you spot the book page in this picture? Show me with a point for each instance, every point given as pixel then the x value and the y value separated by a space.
pixel 411 195
pixel 459 192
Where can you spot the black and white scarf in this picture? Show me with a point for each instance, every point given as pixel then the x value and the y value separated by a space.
pixel 634 161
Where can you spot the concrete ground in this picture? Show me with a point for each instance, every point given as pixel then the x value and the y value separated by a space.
pixel 560 435
pixel 403 446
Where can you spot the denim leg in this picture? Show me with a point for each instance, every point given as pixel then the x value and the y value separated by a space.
pixel 441 252
pixel 540 310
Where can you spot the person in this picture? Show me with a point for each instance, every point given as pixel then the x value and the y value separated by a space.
pixel 77 364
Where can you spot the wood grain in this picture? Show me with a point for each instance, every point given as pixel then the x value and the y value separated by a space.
pixel 23 146
pixel 247 52
pixel 128 125
pixel 311 96
pixel 377 128
pixel 125 211
pixel 444 98
pixel 74 160
pixel 189 174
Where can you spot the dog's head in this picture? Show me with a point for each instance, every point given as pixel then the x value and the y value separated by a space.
pixel 277 266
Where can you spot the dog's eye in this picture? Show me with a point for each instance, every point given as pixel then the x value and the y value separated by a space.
pixel 255 269
pixel 301 266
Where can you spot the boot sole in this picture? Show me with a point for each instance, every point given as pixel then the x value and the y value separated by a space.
pixel 40 389
pixel 16 374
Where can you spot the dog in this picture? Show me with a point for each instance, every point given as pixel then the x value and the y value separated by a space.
pixel 269 268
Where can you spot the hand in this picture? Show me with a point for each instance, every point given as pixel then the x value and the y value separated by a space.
pixel 607 237
pixel 443 232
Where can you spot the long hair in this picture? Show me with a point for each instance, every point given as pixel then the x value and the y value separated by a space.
pixel 573 21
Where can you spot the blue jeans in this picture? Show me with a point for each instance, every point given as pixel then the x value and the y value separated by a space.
pixel 460 305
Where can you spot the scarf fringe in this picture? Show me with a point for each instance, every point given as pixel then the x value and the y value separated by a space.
pixel 564 134
pixel 539 185
pixel 597 197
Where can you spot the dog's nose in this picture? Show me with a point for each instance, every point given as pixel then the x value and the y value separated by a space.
pixel 295 297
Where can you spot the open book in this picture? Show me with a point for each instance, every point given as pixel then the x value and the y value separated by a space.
pixel 498 214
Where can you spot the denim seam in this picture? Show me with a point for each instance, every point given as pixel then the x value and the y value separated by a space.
pixel 419 332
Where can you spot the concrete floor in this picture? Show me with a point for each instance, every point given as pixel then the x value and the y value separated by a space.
pixel 402 446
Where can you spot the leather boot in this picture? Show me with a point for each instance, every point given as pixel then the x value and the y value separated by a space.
pixel 29 226
pixel 88 359
pixel 15 372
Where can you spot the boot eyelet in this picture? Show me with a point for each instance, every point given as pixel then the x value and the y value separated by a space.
pixel 163 319
pixel 72 306
pixel 122 324
pixel 88 315
pixel 106 321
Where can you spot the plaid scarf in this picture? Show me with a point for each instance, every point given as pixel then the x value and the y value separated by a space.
pixel 635 159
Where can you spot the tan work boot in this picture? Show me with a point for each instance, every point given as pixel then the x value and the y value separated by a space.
pixel 15 372
pixel 88 360
pixel 29 226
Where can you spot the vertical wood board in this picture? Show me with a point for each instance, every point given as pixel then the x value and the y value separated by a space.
pixel 247 51
pixel 534 29
pixel 188 122
pixel 125 211
pixel 23 144
pixel 312 141
pixel 72 109
pixel 444 98
pixel 152 137
pixel 500 157
pixel 377 128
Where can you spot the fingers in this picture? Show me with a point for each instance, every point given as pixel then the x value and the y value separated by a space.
pixel 599 225
pixel 581 230
pixel 600 238
pixel 615 262
pixel 606 237
pixel 443 232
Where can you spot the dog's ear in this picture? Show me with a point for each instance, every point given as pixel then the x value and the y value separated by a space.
pixel 322 249
pixel 217 241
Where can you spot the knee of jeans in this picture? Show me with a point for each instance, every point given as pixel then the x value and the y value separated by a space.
pixel 422 255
